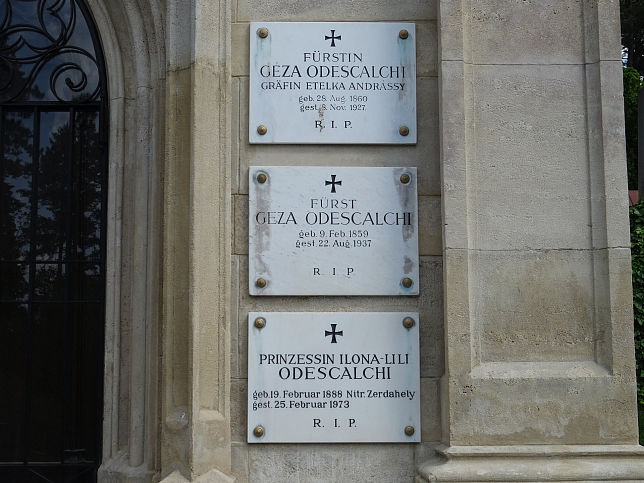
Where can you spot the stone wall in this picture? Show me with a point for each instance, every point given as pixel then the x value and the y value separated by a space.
pixel 525 299
pixel 314 462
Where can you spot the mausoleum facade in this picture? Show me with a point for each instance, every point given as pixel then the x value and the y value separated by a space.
pixel 526 359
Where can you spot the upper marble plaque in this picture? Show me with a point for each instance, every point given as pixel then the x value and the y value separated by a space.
pixel 333 231
pixel 332 83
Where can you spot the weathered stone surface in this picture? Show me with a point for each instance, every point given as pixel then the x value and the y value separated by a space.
pixel 475 464
pixel 239 409
pixel 530 142
pixel 240 462
pixel 323 463
pixel 536 314
pixel 526 32
pixel 234 142
pixel 544 410
pixel 320 11
pixel 430 419
pixel 533 306
pixel 430 232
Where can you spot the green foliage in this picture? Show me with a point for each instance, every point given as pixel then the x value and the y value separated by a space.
pixel 637 253
pixel 632 23
pixel 632 85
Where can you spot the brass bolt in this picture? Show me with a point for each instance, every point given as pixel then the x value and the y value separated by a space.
pixel 259 431
pixel 403 34
pixel 408 323
pixel 263 32
pixel 260 322
pixel 261 130
pixel 260 282
pixel 405 178
pixel 404 130
pixel 261 178
pixel 406 282
pixel 409 430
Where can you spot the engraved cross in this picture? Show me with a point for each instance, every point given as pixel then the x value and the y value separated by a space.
pixel 333 333
pixel 332 37
pixel 333 182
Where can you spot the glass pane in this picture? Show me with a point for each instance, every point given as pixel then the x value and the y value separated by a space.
pixel 52 189
pixel 14 281
pixel 15 189
pixel 85 281
pixel 47 383
pixel 51 226
pixel 49 283
pixel 81 416
pixel 47 51
pixel 88 177
pixel 40 474
pixel 82 280
pixel 12 379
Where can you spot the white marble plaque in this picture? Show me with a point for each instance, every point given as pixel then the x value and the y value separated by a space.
pixel 332 82
pixel 333 231
pixel 339 377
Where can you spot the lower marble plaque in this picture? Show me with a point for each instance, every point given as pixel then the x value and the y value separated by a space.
pixel 333 377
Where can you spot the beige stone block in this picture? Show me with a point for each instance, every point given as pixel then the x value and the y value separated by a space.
pixel 533 305
pixel 458 326
pixel 240 224
pixel 614 157
pixel 430 308
pixel 317 11
pixel 558 410
pixel 578 463
pixel 602 31
pixel 240 48
pixel 430 419
pixel 609 202
pixel 450 19
pixel 424 155
pixel 430 233
pixel 234 139
pixel 180 55
pixel 529 175
pixel 426 49
pixel 526 32
pixel 238 409
pixel 239 462
pixel 315 463
pixel 453 153
pixel 429 304
pixel 613 293
pixel 425 451
pixel 235 364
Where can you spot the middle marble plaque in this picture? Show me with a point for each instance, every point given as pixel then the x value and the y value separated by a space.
pixel 333 231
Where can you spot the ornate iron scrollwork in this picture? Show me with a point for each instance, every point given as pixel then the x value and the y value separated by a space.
pixel 46 53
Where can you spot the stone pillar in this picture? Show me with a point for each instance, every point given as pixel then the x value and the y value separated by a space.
pixel 539 380
pixel 195 444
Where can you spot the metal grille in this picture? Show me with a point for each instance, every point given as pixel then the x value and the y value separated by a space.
pixel 53 193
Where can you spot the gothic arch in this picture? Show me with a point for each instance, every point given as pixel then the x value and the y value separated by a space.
pixel 169 230
pixel 132 35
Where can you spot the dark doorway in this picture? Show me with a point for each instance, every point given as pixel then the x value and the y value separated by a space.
pixel 53 193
